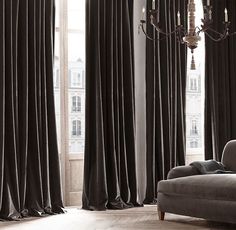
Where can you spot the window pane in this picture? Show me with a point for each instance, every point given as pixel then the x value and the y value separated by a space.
pixel 76 74
pixel 76 46
pixel 76 14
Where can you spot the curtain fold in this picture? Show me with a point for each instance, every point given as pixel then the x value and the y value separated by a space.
pixel 29 166
pixel 109 163
pixel 220 84
pixel 165 97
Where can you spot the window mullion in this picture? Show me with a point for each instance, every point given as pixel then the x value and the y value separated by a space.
pixel 64 95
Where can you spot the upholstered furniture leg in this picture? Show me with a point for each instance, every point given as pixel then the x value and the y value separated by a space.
pixel 161 214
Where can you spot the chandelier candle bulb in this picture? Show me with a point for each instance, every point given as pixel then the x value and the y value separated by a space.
pixel 226 15
pixel 208 2
pixel 178 18
pixel 153 4
pixel 210 14
pixel 143 13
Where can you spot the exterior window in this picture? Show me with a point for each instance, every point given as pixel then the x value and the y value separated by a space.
pixel 76 128
pixel 76 104
pixel 75 81
pixel 194 144
pixel 76 77
pixel 193 84
pixel 194 129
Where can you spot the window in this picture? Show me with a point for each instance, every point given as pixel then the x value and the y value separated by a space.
pixel 193 144
pixel 69 91
pixel 193 84
pixel 195 97
pixel 75 76
pixel 76 104
pixel 76 128
pixel 76 65
pixel 69 68
pixel 194 129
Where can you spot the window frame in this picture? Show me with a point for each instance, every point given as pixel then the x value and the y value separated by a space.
pixel 76 130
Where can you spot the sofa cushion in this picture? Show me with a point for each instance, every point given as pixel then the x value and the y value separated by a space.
pixel 182 171
pixel 207 167
pixel 229 156
pixel 209 186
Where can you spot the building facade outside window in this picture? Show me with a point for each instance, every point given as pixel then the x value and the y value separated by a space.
pixel 194 113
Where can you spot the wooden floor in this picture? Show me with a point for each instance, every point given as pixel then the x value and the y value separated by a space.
pixel 135 218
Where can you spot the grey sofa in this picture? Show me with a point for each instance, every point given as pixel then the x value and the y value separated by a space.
pixel 210 196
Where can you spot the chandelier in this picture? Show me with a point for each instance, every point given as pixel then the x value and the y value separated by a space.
pixel 190 36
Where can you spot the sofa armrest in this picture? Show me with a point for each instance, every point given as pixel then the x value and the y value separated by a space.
pixel 182 171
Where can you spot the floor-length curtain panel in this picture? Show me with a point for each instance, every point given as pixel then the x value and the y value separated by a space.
pixel 220 83
pixel 109 163
pixel 29 166
pixel 165 95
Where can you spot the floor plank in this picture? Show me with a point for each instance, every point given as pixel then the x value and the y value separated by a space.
pixel 129 219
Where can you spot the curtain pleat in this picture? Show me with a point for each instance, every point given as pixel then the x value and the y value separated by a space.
pixel 165 97
pixel 2 96
pixel 109 164
pixel 29 166
pixel 220 83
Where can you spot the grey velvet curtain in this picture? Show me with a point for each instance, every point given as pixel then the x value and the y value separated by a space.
pixel 29 164
pixel 220 84
pixel 109 163
pixel 110 179
pixel 165 96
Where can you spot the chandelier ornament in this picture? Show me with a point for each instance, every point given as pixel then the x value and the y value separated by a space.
pixel 190 36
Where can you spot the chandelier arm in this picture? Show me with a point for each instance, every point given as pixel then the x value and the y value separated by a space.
pixel 164 33
pixel 147 36
pixel 216 39
pixel 216 32
pixel 232 34
pixel 199 30
pixel 155 24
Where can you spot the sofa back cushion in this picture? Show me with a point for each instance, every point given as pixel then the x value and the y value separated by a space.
pixel 229 156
